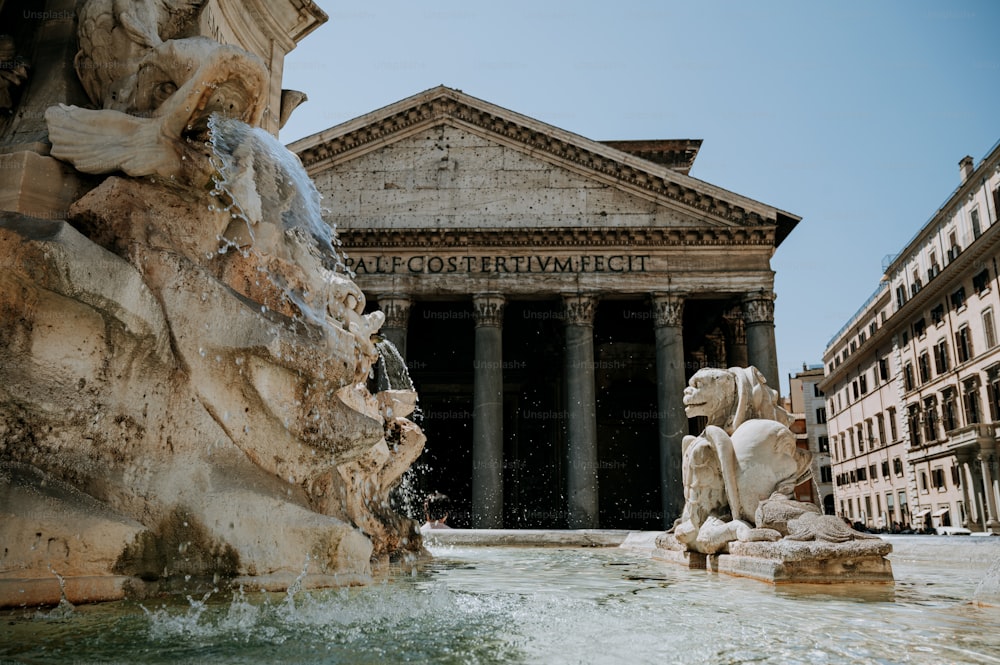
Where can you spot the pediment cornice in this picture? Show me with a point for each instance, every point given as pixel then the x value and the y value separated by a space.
pixel 616 167
pixel 569 237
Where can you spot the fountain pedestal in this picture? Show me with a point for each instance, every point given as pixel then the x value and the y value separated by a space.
pixel 789 562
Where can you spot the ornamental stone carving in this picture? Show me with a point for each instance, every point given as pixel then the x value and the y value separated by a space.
pixel 759 308
pixel 580 309
pixel 396 309
pixel 488 309
pixel 668 310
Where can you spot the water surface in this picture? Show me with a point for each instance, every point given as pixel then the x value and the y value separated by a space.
pixel 524 605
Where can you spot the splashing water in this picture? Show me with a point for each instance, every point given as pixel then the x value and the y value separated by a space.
pixel 551 605
pixel 262 184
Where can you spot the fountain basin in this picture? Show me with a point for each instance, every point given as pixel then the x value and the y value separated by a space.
pixel 566 603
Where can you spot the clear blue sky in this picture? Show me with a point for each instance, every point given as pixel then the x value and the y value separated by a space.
pixel 851 114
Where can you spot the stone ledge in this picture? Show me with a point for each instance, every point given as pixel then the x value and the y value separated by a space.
pixel 789 562
pixel 40 591
pixel 524 537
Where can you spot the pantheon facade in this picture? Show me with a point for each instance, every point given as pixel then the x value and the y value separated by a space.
pixel 551 295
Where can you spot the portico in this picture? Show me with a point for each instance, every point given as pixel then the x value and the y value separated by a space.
pixel 629 275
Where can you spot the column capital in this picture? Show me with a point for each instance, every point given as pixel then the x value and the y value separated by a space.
pixel 487 308
pixel 579 309
pixel 668 310
pixel 396 308
pixel 758 307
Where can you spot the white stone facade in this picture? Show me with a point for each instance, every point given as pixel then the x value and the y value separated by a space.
pixel 913 380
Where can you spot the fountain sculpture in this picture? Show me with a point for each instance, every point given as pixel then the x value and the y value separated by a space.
pixel 186 383
pixel 739 475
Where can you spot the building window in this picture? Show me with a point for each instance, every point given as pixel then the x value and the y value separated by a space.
pixel 981 281
pixel 976 228
pixel 989 329
pixel 853 477
pixel 941 357
pixel 870 432
pixel 872 327
pixel 883 368
pixel 903 512
pixel 824 444
pixel 854 388
pixel 885 469
pixel 821 415
pixel 970 400
pixel 937 314
pixel 993 391
pixel 891 415
pixel 930 419
pixel 956 476
pixel 908 381
pixel 949 409
pixel 880 419
pixel 890 508
pixel 923 482
pixel 924 367
pixel 825 474
pixel 919 327
pixel 863 383
pixel 958 298
pixel 862 337
pixel 816 391
pixel 916 285
pixel 963 344
pixel 913 411
pixel 897 466
pixel 862 473
pixel 937 479
pixel 900 296
pixel 955 249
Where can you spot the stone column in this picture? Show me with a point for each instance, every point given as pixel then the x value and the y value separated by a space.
pixel 397 320
pixel 758 315
pixel 581 413
pixel 964 461
pixel 668 313
pixel 487 413
pixel 738 338
pixel 985 463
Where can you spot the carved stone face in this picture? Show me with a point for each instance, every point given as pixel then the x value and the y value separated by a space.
pixel 155 120
pixel 710 393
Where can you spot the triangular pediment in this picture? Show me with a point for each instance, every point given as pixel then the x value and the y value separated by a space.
pixel 443 134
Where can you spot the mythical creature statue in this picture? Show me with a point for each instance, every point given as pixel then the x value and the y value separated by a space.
pixel 740 474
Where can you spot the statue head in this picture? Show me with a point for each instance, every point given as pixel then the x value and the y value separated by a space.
pixel 729 397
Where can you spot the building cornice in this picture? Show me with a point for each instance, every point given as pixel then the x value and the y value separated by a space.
pixel 958 198
pixel 642 237
pixel 612 165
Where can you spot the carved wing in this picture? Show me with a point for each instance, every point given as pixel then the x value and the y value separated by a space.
pixel 107 141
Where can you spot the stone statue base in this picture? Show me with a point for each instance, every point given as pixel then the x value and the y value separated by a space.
pixel 788 561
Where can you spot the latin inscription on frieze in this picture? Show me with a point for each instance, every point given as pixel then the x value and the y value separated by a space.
pixel 535 263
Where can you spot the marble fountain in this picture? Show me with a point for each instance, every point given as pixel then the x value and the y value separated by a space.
pixel 200 431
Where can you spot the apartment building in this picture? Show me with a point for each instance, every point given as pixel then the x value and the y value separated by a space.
pixel 808 405
pixel 913 379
